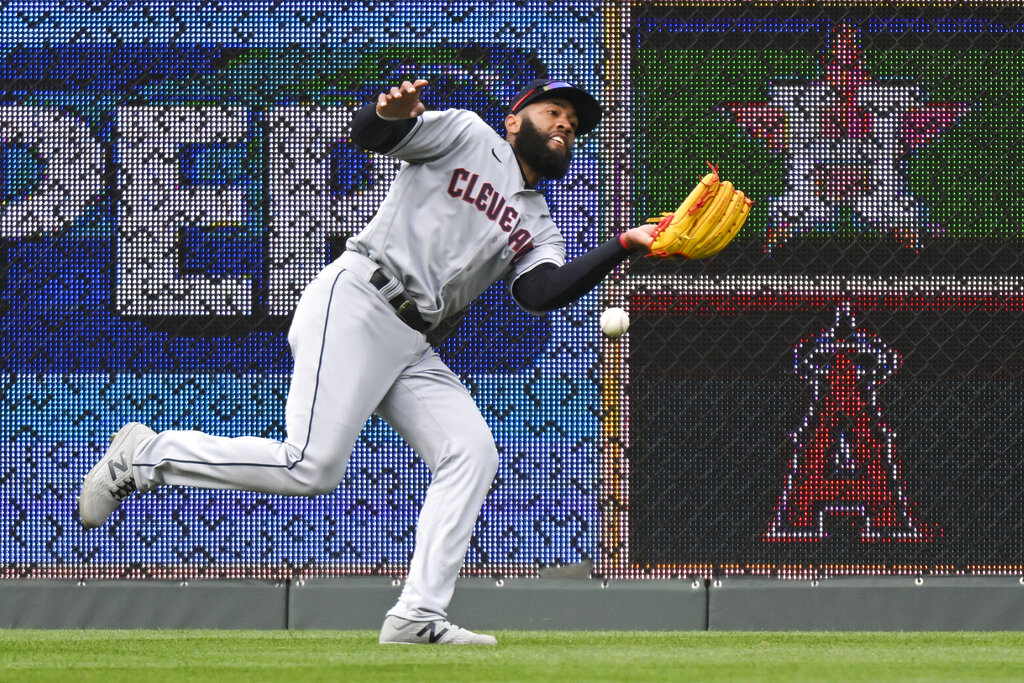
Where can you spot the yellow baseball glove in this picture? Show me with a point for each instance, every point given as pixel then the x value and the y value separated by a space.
pixel 704 223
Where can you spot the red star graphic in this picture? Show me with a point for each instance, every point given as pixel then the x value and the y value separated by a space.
pixel 845 73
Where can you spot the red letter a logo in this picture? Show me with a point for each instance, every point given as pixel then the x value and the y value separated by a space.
pixel 843 461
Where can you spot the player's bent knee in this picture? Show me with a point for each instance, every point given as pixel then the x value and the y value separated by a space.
pixel 321 488
pixel 475 452
pixel 483 458
pixel 324 482
pixel 314 481
pixel 484 465
pixel 490 461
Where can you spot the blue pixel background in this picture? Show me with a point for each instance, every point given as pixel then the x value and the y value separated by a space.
pixel 74 371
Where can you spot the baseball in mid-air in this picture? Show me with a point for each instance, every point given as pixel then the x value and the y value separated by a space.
pixel 614 322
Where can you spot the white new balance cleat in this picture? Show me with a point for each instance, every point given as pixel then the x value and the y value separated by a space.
pixel 398 631
pixel 111 481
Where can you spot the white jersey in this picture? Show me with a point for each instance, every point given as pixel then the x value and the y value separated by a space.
pixel 458 216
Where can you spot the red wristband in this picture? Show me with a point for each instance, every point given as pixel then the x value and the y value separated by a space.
pixel 622 241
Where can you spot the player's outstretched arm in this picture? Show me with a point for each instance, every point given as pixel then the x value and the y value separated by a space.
pixel 547 287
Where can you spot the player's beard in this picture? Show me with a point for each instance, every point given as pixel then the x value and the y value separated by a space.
pixel 532 147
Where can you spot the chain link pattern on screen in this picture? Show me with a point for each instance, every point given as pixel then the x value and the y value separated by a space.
pixel 173 175
pixel 838 392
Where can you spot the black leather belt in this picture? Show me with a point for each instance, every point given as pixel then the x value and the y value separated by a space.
pixel 406 309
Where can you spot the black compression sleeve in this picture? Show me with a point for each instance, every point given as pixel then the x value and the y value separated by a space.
pixel 371 132
pixel 548 287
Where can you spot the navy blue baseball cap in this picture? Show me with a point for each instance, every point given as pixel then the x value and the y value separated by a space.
pixel 587 109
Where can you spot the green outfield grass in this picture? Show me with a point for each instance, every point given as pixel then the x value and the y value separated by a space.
pixel 108 656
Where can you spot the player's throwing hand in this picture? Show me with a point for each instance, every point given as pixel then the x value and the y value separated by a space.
pixel 402 102
pixel 640 237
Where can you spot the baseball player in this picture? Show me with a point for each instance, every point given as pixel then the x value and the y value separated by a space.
pixel 461 214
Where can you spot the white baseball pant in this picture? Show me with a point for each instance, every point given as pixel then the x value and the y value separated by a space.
pixel 353 357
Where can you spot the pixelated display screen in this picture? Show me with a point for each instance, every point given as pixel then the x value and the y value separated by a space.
pixel 172 176
pixel 839 392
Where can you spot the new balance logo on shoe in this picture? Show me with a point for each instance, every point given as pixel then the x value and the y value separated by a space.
pixel 435 632
pixel 434 635
pixel 113 466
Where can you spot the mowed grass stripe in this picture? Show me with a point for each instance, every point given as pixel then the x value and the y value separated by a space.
pixel 171 655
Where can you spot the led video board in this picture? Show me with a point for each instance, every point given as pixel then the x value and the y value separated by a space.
pixel 172 175
pixel 839 392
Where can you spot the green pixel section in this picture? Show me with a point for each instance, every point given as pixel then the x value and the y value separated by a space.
pixel 679 95
pixel 968 177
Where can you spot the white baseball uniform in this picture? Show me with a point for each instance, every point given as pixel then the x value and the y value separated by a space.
pixel 458 217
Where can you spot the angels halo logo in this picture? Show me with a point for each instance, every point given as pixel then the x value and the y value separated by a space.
pixel 844 461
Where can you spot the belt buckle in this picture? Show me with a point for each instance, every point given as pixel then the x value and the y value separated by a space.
pixel 410 315
pixel 407 312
